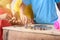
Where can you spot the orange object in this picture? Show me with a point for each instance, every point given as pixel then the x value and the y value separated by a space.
pixel 3 23
pixel 1 11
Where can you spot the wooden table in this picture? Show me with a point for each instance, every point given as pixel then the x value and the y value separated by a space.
pixel 21 33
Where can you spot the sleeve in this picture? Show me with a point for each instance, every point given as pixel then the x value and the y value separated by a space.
pixel 27 2
pixel 57 1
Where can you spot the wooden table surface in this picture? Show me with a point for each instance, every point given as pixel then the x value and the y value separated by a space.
pixel 21 33
pixel 23 29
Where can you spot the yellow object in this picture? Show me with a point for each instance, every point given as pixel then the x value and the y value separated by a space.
pixel 27 11
pixel 5 3
pixel 17 5
pixel 16 8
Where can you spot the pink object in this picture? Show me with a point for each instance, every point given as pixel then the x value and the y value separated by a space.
pixel 2 11
pixel 57 25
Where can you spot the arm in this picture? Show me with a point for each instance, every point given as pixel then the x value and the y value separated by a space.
pixel 23 17
pixel 26 19
pixel 24 4
pixel 22 7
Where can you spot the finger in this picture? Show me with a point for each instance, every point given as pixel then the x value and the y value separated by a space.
pixel 21 19
pixel 8 18
pixel 26 20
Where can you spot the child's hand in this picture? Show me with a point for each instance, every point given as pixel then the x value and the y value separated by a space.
pixel 15 21
pixel 30 21
pixel 25 20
